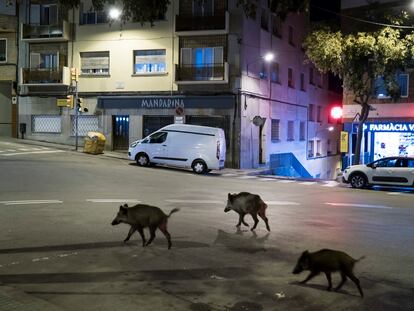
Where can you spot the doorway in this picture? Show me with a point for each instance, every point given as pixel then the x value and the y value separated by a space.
pixel 120 126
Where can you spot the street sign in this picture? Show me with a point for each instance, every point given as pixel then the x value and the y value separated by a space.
pixel 344 142
pixel 62 102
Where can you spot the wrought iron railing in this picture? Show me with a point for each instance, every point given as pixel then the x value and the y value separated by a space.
pixel 202 72
pixel 59 31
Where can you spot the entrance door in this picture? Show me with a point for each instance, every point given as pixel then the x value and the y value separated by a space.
pixel 120 126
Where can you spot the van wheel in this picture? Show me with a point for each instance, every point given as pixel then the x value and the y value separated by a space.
pixel 142 159
pixel 199 167
pixel 358 181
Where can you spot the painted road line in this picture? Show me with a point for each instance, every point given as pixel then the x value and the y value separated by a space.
pixel 286 181
pixel 330 184
pixel 10 150
pixel 359 205
pixel 113 201
pixel 32 152
pixel 281 203
pixel 24 149
pixel 308 183
pixel 195 201
pixel 25 202
pixel 400 193
pixel 228 175
pixel 266 179
pixel 247 177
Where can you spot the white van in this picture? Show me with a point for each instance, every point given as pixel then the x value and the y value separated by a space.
pixel 200 147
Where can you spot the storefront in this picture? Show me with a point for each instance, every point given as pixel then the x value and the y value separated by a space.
pixel 128 118
pixel 383 139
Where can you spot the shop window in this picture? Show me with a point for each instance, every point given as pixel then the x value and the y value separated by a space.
pixel 94 63
pixel 291 131
pixel 149 61
pixel 291 82
pixel 275 130
pixel 302 131
pixel 311 111
pixel 381 91
pixel 275 74
pixel 3 50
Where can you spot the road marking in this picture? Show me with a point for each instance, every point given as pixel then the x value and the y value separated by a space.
pixel 25 202
pixel 281 203
pixel 247 177
pixel 308 183
pixel 266 179
pixel 113 201
pixel 229 175
pixel 10 150
pixel 195 201
pixel 330 184
pixel 359 205
pixel 31 152
pixel 286 181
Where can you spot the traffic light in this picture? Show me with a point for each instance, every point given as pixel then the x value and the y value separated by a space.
pixel 335 114
pixel 69 101
pixel 80 106
pixel 74 74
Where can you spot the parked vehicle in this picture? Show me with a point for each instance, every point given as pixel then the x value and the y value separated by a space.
pixel 201 148
pixel 390 171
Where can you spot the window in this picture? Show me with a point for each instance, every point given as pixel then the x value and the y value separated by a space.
pixel 291 40
pixel 3 50
pixel 44 60
pixel 275 130
pixel 158 138
pixel 319 114
pixel 328 147
pixel 386 163
pixel 302 131
pixel 46 124
pixel 206 63
pixel 291 82
pixel 86 123
pixel 311 149
pixel 311 78
pixel 311 116
pixel 381 91
pixel 320 79
pixel 410 163
pixel 94 63
pixel 203 7
pixel 274 74
pixel 93 17
pixel 263 70
pixel 149 61
pixel 291 131
pixel 318 148
pixel 264 21
pixel 276 26
pixel 43 14
pixel 302 81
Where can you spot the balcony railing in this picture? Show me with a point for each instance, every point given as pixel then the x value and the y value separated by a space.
pixel 206 24
pixel 48 33
pixel 201 74
pixel 45 76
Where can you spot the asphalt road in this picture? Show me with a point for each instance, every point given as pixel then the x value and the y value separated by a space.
pixel 57 243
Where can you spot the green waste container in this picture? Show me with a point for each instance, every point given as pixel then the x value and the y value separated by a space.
pixel 94 143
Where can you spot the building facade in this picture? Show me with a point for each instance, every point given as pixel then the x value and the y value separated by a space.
pixel 389 129
pixel 8 68
pixel 201 63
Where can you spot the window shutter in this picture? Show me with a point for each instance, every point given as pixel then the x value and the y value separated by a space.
pixel 185 56
pixel 34 60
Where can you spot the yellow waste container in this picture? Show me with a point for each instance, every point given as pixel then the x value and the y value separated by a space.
pixel 94 143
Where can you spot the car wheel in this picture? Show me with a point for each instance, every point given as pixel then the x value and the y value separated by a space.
pixel 142 159
pixel 358 181
pixel 199 167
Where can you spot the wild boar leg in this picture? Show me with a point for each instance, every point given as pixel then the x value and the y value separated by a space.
pixel 163 229
pixel 131 231
pixel 254 216
pixel 141 233
pixel 328 277
pixel 343 280
pixel 356 281
pixel 152 234
pixel 310 276
pixel 242 220
pixel 263 216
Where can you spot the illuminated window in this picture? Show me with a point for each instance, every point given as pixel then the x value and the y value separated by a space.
pixel 94 63
pixel 149 61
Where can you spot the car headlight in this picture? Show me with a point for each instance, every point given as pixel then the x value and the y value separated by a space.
pixel 132 145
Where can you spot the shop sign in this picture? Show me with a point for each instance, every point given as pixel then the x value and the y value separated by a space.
pixel 344 142
pixel 389 127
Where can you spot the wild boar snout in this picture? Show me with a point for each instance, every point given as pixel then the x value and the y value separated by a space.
pixel 297 270
pixel 115 222
pixel 227 209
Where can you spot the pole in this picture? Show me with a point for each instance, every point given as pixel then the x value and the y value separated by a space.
pixel 75 105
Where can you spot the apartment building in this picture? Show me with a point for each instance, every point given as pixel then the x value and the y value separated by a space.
pixel 8 68
pixel 389 130
pixel 201 63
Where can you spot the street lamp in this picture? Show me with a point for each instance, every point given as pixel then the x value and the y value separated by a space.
pixel 114 13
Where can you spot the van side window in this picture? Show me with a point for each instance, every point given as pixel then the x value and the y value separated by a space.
pixel 158 138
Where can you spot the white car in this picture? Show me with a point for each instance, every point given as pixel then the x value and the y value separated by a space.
pixel 391 171
pixel 201 148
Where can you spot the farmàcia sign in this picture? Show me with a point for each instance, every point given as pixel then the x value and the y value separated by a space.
pixel 389 127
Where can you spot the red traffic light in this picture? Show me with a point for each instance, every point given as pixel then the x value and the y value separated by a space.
pixel 336 113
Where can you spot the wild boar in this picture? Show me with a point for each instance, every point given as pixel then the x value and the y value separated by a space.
pixel 247 203
pixel 328 261
pixel 141 216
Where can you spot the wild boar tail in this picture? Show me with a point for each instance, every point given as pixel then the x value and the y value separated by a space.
pixel 360 258
pixel 173 211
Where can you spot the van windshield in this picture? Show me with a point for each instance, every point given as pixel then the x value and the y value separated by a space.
pixel 158 138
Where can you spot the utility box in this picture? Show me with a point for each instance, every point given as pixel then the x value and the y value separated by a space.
pixel 94 143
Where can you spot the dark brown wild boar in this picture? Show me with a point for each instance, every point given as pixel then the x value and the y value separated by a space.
pixel 247 203
pixel 328 261
pixel 141 216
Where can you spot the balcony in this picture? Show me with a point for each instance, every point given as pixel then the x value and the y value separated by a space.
pixel 45 77
pixel 202 25
pixel 46 33
pixel 205 74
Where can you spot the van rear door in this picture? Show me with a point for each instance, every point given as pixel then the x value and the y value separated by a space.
pixel 221 148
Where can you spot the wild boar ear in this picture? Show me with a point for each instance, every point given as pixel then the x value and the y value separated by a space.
pixel 229 197
pixel 126 205
pixel 305 253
